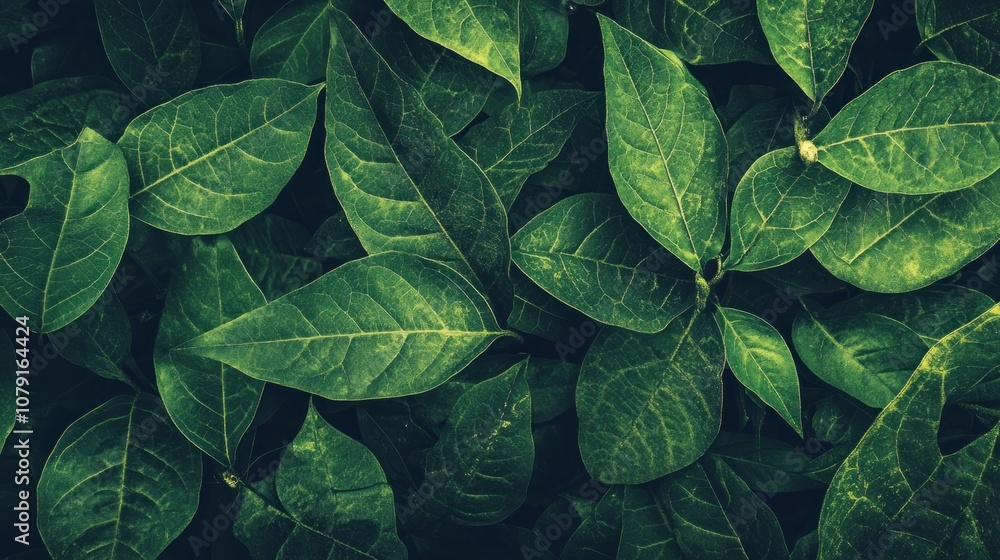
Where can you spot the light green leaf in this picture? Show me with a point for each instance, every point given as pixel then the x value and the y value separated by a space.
pixel 153 45
pixel 931 128
pixel 646 533
pixel 404 185
pixel 272 249
pixel 932 312
pixel 966 31
pixel 908 242
pixel 384 326
pixel 330 501
pixel 231 150
pixel 867 356
pixel 489 35
pixel 780 209
pixel 454 89
pixel 524 137
pixel 589 254
pixel 898 487
pixel 666 148
pixel 599 534
pixel 699 31
pixel 100 339
pixel 715 515
pixel 544 34
pixel 650 404
pixel 484 458
pixel 58 255
pixel 135 476
pixel 212 403
pixel 48 117
pixel 762 362
pixel 812 39
pixel 293 43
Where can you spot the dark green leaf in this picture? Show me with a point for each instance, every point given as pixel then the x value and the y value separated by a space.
pixel 966 31
pixel 293 44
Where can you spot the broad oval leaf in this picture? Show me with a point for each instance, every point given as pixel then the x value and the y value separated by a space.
pixel 229 149
pixel 404 184
pixel 781 208
pixel 58 255
pixel 131 471
pixel 211 402
pixel 544 31
pixel 293 43
pixel 931 128
pixel 666 148
pixel 330 500
pixel 524 137
pixel 153 45
pixel 60 108
pixel 650 404
pixel 897 488
pixel 867 356
pixel 699 31
pixel 811 39
pixel 900 246
pixel 588 253
pixel 966 31
pixel 490 31
pixel 481 465
pixel 389 325
pixel 761 360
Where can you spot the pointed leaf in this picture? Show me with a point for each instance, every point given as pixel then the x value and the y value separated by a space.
pixel 812 39
pixel 58 255
pixel 587 252
pixel 931 128
pixel 131 471
pixel 599 533
pixel 383 326
pixel 231 150
pixel 650 404
pixel 762 362
pixel 100 339
pixel 484 457
pixel 211 403
pixel 665 145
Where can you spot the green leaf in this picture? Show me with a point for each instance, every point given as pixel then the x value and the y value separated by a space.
pixel 931 128
pixel 404 185
pixel 932 312
pixel 330 501
pixel 781 208
pixel 909 242
pixel 335 240
pixel 812 39
pixel 715 515
pixel 234 8
pixel 544 34
pixel 100 339
pixel 384 326
pixel 699 31
pixel 272 249
pixel 211 403
pixel 646 533
pixel 48 117
pixel 553 387
pixel 58 255
pixel 536 312
pixel 650 404
pixel 231 150
pixel 666 147
pixel 897 487
pixel 766 465
pixel 153 45
pixel 293 43
pixel 481 466
pixel 964 31
pixel 867 356
pixel 489 37
pixel 599 534
pixel 454 89
pixel 135 476
pixel 762 362
pixel 524 137
pixel 589 254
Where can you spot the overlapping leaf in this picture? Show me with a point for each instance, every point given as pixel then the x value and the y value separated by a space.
pixel 293 44
pixel 964 31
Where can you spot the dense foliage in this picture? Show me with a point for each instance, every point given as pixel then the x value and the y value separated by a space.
pixel 635 279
